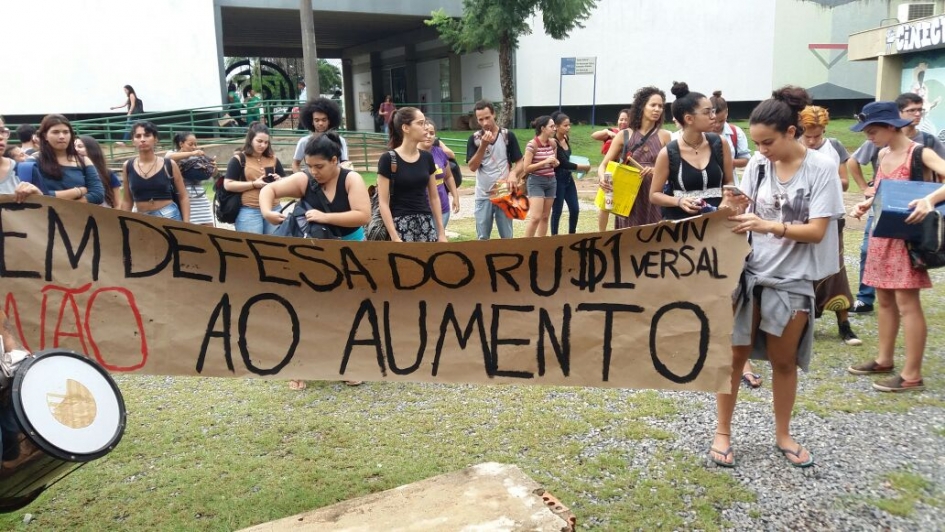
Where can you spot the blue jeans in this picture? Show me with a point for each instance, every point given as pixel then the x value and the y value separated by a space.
pixel 170 211
pixel 446 218
pixel 250 220
pixel 867 294
pixel 127 135
pixel 567 192
pixel 486 212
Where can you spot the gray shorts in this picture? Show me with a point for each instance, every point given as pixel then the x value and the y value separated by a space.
pixel 541 186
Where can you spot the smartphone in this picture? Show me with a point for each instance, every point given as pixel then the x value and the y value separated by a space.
pixel 267 177
pixel 733 189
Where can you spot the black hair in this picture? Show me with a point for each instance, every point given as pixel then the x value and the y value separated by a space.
pixel 48 162
pixel 25 133
pixel 147 126
pixel 686 101
pixel 484 104
pixel 9 151
pixel 540 123
pixel 904 99
pixel 95 154
pixel 131 90
pixel 559 117
pixel 180 137
pixel 402 117
pixel 640 98
pixel 320 105
pixel 782 110
pixel 254 129
pixel 327 145
pixel 718 102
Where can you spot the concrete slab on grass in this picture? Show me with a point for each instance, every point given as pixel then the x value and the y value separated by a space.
pixel 486 497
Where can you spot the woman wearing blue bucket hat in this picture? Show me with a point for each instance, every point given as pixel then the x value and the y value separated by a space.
pixel 888 268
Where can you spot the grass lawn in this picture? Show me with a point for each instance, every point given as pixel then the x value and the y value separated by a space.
pixel 221 454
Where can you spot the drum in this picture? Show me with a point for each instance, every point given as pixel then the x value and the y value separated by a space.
pixel 62 411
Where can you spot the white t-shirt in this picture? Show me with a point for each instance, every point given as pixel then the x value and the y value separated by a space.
pixel 813 192
pixel 300 148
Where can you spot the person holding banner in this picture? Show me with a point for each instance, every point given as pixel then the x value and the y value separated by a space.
pixel 540 163
pixel 641 142
pixel 60 171
pixel 153 185
pixel 796 200
pixel 406 182
pixel 697 165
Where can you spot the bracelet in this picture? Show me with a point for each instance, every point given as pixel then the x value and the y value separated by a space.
pixel 79 190
pixel 783 232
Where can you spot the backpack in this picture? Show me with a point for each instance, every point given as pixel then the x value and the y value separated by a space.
pixel 375 229
pixel 139 106
pixel 226 204
pixel 197 169
pixel 672 149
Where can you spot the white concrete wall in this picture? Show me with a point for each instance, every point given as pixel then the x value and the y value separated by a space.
pixel 481 70
pixel 642 42
pixel 361 79
pixel 85 52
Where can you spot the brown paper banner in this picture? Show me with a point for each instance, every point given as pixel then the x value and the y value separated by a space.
pixel 648 307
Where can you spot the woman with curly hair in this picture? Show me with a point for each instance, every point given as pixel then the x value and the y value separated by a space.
pixel 642 141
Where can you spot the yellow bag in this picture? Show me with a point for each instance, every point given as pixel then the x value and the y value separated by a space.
pixel 627 183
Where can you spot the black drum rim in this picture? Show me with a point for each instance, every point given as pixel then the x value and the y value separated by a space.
pixel 33 435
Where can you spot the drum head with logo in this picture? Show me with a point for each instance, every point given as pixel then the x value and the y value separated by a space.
pixel 68 405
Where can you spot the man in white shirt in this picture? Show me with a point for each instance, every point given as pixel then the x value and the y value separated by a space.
pixel 318 116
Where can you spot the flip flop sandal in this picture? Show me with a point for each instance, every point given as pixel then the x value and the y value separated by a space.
pixel 797 453
pixel 725 454
pixel 747 379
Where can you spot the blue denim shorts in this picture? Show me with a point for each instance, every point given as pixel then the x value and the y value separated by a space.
pixel 542 187
pixel 169 211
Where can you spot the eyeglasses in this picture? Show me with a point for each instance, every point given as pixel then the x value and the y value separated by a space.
pixel 707 112
pixel 4 133
pixel 914 111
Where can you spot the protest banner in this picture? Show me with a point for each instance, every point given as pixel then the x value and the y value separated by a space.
pixel 648 307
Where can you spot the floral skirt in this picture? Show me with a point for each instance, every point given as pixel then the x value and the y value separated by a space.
pixel 416 227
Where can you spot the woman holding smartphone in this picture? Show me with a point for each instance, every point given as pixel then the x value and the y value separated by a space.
pixel 251 169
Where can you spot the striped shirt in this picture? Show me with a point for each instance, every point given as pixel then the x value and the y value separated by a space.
pixel 540 153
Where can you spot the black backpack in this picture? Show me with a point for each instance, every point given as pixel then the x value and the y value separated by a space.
pixel 226 204
pixel 672 149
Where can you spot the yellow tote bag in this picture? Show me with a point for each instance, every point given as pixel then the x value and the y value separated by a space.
pixel 627 183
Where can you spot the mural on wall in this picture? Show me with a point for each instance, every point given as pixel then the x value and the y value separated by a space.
pixel 924 74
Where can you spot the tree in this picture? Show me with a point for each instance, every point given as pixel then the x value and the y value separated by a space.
pixel 498 24
pixel 329 77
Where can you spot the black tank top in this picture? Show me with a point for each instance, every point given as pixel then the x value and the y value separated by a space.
pixel 159 186
pixel 339 204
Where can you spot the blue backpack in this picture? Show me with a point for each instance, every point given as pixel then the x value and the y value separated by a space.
pixel 28 172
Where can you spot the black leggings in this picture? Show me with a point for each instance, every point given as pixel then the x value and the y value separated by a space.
pixel 567 192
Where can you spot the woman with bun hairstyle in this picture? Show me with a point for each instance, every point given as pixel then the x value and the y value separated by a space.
pixel 698 180
pixel 734 134
pixel 185 147
pixel 835 289
pixel 642 140
pixel 795 201
pixel 541 159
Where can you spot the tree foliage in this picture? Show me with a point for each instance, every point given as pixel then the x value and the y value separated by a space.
pixel 329 77
pixel 498 24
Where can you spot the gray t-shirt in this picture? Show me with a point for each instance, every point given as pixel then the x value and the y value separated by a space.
pixel 495 162
pixel 813 192
pixel 868 153
pixel 300 148
pixel 10 181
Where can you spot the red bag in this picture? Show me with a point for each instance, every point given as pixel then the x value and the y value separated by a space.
pixel 514 205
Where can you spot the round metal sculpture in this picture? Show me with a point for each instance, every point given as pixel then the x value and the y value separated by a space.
pixel 276 85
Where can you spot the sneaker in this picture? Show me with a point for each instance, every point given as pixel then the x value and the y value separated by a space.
pixel 847 334
pixel 860 307
pixel 869 368
pixel 898 384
